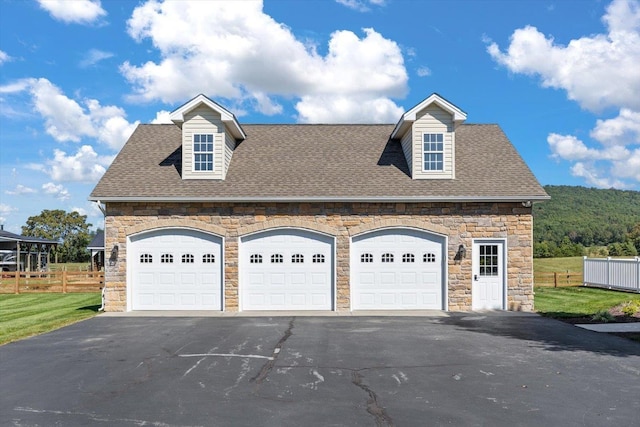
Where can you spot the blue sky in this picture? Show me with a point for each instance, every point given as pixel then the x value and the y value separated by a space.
pixel 561 77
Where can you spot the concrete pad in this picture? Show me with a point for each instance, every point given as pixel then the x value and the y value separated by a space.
pixel 612 327
pixel 284 313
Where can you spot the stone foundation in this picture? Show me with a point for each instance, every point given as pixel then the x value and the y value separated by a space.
pixel 460 222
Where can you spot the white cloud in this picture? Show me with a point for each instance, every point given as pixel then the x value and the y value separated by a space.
pixel 569 147
pixel 610 165
pixel 84 166
pixel 162 117
pixel 347 109
pixel 80 211
pixel 250 59
pixel 593 177
pixel 423 71
pixel 594 69
pixel 621 130
pixel 67 120
pixel 16 86
pixel 4 57
pixel 6 209
pixel 77 11
pixel 94 56
pixel 361 5
pixel 597 71
pixel 56 190
pixel 20 190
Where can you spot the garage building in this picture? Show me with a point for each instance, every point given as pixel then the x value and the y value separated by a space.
pixel 429 213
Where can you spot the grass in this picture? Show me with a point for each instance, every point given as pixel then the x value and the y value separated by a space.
pixel 577 301
pixel 580 305
pixel 550 265
pixel 26 315
pixel 69 266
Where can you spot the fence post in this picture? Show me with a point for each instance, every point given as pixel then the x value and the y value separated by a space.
pixel 17 281
pixel 64 281
pixel 555 279
pixel 638 274
pixel 608 271
pixel 584 270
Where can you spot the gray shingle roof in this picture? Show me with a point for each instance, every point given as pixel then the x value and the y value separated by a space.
pixel 318 162
pixel 97 242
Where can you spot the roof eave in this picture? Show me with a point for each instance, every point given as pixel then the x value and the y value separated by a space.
pixel 409 117
pixel 289 199
pixel 227 117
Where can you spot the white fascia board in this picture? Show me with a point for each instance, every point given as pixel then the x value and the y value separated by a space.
pixel 177 116
pixel 409 117
pixel 417 199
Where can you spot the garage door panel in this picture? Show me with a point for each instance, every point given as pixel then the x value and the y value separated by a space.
pixel 176 269
pixel 277 300
pixel 167 300
pixel 319 279
pixel 298 279
pixel 188 299
pixel 296 270
pixel 319 300
pixel 387 278
pixel 397 269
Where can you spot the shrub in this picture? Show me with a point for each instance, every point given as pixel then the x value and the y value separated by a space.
pixel 602 316
pixel 630 308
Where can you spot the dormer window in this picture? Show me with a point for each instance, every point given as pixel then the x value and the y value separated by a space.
pixel 203 152
pixel 433 152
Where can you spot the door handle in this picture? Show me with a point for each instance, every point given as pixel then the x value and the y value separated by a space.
pixel 475 277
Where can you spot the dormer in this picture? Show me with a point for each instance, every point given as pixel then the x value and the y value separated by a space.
pixel 427 133
pixel 209 136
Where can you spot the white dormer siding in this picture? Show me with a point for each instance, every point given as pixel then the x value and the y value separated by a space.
pixel 434 120
pixel 204 121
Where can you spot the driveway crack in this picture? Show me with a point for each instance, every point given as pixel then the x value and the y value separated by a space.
pixel 268 366
pixel 373 406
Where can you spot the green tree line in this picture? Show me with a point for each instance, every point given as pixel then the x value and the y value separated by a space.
pixel 579 217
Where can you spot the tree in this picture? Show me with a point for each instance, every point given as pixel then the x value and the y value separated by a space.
pixel 70 229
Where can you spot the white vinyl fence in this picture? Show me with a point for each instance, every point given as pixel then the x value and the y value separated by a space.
pixel 622 274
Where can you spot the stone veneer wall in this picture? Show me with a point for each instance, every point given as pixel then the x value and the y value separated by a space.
pixel 461 222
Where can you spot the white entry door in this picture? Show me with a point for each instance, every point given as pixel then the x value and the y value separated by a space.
pixel 175 269
pixel 286 269
pixel 397 269
pixel 488 288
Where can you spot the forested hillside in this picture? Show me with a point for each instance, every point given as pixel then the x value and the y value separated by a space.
pixel 578 217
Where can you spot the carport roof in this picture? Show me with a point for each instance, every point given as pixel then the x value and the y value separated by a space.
pixel 6 236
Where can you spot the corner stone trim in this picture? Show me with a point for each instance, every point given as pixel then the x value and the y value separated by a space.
pixel 395 222
pixel 177 223
pixel 287 222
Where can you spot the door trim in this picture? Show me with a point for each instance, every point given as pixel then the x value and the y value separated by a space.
pixel 474 252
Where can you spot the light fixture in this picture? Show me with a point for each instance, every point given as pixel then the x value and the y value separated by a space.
pixel 113 258
pixel 462 252
pixel 526 204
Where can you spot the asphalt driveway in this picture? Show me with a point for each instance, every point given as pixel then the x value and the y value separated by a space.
pixel 503 369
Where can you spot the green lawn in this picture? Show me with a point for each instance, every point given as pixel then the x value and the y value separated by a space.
pixel 25 315
pixel 550 265
pixel 577 301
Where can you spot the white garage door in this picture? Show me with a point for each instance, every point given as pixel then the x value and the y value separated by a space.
pixel 397 269
pixel 286 269
pixel 175 269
